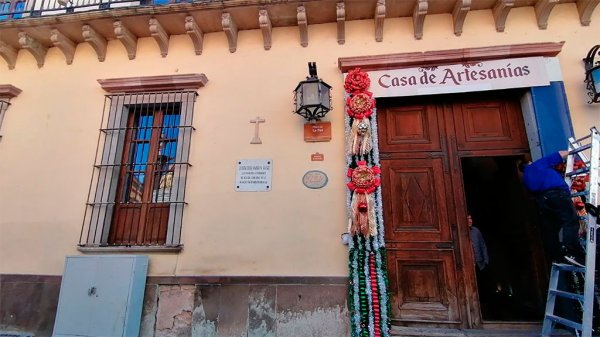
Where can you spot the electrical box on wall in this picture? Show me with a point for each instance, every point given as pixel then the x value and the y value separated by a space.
pixel 101 296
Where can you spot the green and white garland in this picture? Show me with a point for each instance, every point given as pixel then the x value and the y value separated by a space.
pixel 368 281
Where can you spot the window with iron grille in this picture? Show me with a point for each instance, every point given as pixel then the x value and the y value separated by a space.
pixel 137 194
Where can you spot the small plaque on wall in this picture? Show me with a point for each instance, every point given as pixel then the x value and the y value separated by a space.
pixel 315 179
pixel 317 132
pixel 253 175
pixel 317 157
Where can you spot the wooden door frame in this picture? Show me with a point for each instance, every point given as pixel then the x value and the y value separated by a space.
pixel 452 120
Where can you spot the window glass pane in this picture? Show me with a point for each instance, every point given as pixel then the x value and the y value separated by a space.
pixel 144 127
pixel 4 8
pixel 136 188
pixel 139 152
pixel 140 156
pixel 167 152
pixel 19 7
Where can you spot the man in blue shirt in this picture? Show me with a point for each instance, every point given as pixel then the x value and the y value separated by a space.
pixel 553 198
pixel 480 252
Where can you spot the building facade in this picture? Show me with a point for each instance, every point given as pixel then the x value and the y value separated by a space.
pixel 128 128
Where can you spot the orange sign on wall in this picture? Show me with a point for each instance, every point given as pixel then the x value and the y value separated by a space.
pixel 317 132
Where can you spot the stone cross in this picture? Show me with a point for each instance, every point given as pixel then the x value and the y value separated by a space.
pixel 257 121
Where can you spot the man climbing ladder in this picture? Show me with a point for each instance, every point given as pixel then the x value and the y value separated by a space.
pixel 582 175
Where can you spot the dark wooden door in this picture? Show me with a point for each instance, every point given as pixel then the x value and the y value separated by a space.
pixel 431 273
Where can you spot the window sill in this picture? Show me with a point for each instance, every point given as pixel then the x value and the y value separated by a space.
pixel 130 249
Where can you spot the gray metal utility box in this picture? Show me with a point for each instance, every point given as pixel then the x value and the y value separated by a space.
pixel 101 296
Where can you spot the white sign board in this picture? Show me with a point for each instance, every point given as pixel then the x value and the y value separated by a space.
pixel 253 175
pixel 475 76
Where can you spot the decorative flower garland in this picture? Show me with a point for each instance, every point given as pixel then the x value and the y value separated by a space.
pixel 368 297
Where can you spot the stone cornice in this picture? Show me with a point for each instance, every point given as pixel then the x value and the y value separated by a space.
pixel 404 60
pixel 9 91
pixel 153 83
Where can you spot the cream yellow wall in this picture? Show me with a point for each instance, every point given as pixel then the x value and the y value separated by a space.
pixel 51 129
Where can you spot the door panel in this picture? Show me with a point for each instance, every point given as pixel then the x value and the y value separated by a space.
pixel 424 286
pixel 410 128
pixel 432 275
pixel 415 200
pixel 488 124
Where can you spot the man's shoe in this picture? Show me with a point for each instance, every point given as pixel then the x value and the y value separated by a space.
pixel 575 261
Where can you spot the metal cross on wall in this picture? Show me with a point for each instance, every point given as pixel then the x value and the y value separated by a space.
pixel 257 121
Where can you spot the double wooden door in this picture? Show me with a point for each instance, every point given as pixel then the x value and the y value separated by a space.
pixel 421 140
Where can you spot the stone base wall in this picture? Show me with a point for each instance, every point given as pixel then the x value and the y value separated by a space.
pixel 198 306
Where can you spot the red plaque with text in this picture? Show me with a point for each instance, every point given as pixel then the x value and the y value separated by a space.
pixel 317 132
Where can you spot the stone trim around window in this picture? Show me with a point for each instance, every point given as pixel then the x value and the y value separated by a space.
pixel 452 56
pixel 153 83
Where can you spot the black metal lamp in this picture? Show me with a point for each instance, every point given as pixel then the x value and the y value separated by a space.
pixel 592 74
pixel 312 97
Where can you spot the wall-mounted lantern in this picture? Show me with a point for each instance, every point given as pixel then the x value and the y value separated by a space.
pixel 312 97
pixel 312 100
pixel 592 74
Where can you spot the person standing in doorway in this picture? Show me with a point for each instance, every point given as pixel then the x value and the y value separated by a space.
pixel 553 199
pixel 480 252
pixel 482 260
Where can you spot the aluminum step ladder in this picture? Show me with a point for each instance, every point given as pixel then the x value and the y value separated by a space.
pixel 579 148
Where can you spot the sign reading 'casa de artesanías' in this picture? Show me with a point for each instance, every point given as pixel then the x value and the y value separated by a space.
pixel 475 76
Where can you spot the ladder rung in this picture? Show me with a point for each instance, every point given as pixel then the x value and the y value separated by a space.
pixel 564 321
pixel 569 267
pixel 580 171
pixel 581 148
pixel 579 194
pixel 581 139
pixel 566 294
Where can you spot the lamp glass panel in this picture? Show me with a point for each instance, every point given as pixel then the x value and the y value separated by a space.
pixel 310 93
pixel 596 79
pixel 298 99
pixel 325 101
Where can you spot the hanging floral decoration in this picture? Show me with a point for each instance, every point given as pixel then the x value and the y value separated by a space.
pixel 360 107
pixel 357 81
pixel 367 291
pixel 363 182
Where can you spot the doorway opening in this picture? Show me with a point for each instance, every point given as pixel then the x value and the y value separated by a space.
pixel 512 287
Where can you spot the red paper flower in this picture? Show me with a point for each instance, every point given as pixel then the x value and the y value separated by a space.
pixel 357 81
pixel 360 105
pixel 363 178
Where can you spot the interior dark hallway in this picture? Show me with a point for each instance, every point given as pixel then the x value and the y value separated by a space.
pixel 512 287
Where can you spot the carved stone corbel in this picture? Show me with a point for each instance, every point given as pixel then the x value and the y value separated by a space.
pixel 302 25
pixel 341 22
pixel 160 35
pixel 379 18
pixel 195 33
pixel 126 37
pixel 586 9
pixel 459 14
pixel 34 46
pixel 97 41
pixel 543 8
pixel 66 45
pixel 9 54
pixel 500 11
pixel 265 26
pixel 231 30
pixel 419 17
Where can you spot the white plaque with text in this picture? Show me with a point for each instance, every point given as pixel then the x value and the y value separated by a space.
pixel 453 78
pixel 253 175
